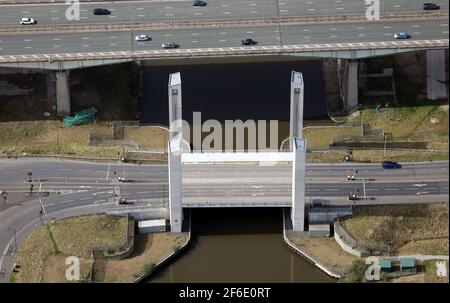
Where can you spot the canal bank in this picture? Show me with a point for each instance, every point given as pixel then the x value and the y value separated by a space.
pixel 240 245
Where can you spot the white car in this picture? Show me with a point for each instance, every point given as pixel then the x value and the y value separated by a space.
pixel 142 37
pixel 27 21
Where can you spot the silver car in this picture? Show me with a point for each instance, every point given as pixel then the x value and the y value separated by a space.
pixel 142 37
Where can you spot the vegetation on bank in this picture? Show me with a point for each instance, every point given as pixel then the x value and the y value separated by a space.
pixel 408 229
pixel 42 255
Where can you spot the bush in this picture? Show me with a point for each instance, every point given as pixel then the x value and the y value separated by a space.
pixel 356 272
pixel 148 268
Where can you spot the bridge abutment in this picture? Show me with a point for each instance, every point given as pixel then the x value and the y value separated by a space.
pixel 62 93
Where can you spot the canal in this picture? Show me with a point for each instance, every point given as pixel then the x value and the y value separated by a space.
pixel 238 90
pixel 238 245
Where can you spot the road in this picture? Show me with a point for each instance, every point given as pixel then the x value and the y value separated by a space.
pixel 111 41
pixel 54 14
pixel 76 187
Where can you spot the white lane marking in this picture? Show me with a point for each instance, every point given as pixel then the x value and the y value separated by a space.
pixel 339 8
pixel 415 25
pixel 113 44
pixel 139 8
pixel 222 40
pixel 82 199
pixel 85 45
pixel 85 38
pixel 222 33
pixel 66 201
pixel 107 173
pixel 27 40
pixel 194 41
pixel 56 46
pixel 112 37
pixel 226 13
pixel 397 6
pixel 141 16
pixel 56 39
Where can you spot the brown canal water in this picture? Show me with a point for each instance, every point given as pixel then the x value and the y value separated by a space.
pixel 238 245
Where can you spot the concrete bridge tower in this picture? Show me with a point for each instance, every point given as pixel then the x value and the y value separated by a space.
pixel 298 147
pixel 175 149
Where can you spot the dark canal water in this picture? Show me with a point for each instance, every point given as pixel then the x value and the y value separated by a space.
pixel 238 245
pixel 259 91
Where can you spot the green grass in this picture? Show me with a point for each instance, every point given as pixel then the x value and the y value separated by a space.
pixel 52 239
pixel 430 272
pixel 147 268
pixel 12 278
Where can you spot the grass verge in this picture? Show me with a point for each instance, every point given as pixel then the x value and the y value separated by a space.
pixel 409 229
pixel 42 255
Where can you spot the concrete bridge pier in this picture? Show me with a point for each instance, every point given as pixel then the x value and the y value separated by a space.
pixel 436 75
pixel 298 185
pixel 175 150
pixel 62 93
pixel 175 189
pixel 350 84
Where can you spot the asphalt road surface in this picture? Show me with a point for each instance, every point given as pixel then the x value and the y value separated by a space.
pixel 54 14
pixel 70 188
pixel 85 42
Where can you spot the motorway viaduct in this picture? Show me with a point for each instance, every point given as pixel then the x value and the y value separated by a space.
pixel 319 28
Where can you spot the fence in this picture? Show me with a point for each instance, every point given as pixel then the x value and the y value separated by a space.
pixel 359 246
pixel 119 250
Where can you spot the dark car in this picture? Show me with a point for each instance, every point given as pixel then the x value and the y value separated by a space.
pixel 390 164
pixel 101 11
pixel 169 45
pixel 199 3
pixel 248 42
pixel 430 6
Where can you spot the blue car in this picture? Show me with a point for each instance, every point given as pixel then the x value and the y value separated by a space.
pixel 401 35
pixel 390 164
